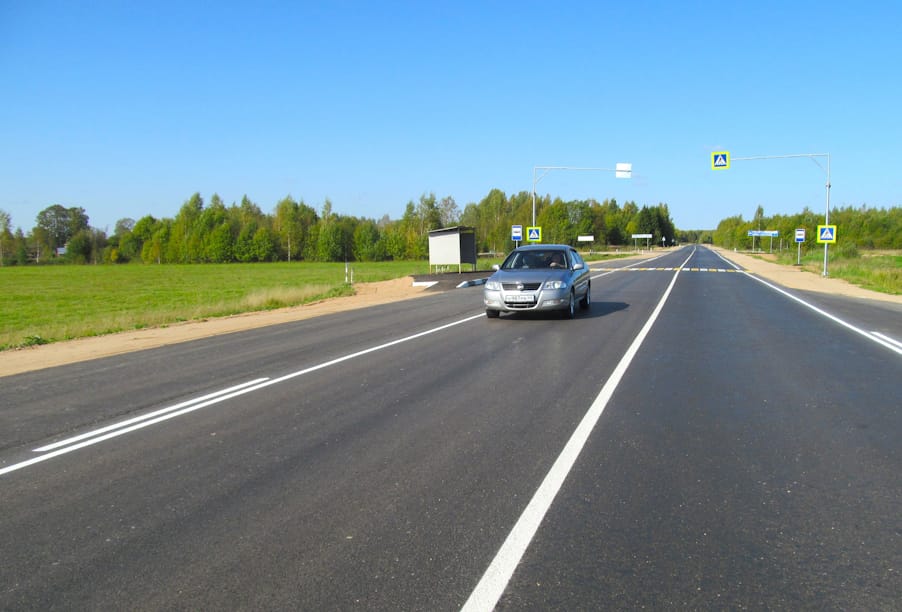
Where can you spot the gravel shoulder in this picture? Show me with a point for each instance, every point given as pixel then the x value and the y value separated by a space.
pixel 367 294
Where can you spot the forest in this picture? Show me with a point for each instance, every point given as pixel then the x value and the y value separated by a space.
pixel 212 232
pixel 860 227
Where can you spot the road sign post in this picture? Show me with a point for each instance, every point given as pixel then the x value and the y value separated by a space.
pixel 756 233
pixel 723 163
pixel 800 238
pixel 517 234
pixel 637 237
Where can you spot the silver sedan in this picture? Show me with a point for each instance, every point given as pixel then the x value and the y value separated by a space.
pixel 538 277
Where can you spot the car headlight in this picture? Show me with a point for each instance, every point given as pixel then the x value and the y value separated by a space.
pixel 555 284
pixel 493 285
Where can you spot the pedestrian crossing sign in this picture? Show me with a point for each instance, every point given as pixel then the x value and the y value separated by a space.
pixel 826 234
pixel 534 234
pixel 720 160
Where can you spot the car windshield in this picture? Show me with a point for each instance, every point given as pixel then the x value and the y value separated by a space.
pixel 535 259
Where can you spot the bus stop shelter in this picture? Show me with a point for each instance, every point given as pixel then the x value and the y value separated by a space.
pixel 452 246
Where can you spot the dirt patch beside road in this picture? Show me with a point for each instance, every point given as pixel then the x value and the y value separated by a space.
pixel 368 294
pixel 61 353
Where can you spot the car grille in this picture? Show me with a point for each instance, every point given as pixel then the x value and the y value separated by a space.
pixel 516 287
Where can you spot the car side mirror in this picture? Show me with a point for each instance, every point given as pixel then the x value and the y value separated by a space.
pixel 496 267
pixel 578 266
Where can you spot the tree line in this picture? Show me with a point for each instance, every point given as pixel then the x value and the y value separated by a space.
pixel 211 232
pixel 862 227
pixel 609 223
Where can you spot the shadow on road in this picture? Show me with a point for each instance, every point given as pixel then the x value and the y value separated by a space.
pixel 595 310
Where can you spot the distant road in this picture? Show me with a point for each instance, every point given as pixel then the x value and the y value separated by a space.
pixel 697 439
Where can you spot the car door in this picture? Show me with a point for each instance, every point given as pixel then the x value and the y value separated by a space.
pixel 580 278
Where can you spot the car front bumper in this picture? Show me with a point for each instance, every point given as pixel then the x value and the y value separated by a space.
pixel 519 301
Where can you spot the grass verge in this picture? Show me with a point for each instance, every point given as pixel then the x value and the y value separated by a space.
pixel 42 304
pixel 876 271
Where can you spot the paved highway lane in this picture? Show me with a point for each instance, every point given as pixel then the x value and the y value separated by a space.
pixel 391 478
pixel 750 459
pixel 387 480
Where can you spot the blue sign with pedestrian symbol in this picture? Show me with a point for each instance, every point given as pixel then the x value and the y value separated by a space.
pixel 826 234
pixel 534 234
pixel 720 160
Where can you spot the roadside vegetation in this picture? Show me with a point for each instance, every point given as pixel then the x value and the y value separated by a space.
pixel 874 270
pixel 41 304
pixel 65 279
pixel 215 260
pixel 867 253
pixel 212 232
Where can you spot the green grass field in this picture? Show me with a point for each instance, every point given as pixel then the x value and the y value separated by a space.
pixel 878 271
pixel 40 304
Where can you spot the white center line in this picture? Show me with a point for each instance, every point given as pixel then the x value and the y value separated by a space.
pixel 490 588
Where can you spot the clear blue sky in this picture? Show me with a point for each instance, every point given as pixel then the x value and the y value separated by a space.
pixel 126 109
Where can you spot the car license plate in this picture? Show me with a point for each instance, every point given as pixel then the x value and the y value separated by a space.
pixel 521 299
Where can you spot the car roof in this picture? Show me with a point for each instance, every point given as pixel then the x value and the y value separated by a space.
pixel 543 247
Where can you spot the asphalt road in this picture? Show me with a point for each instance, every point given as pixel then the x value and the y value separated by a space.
pixel 696 439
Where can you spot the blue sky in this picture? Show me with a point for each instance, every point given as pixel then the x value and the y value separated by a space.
pixel 126 109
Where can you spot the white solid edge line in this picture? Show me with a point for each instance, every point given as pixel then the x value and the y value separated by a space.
pixel 145 417
pixel 824 313
pixel 875 337
pixel 194 405
pixel 124 430
pixel 495 579
pixel 887 338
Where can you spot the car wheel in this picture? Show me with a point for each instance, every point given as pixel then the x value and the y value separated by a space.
pixel 492 314
pixel 587 299
pixel 571 306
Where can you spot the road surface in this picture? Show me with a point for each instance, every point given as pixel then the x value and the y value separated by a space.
pixel 698 438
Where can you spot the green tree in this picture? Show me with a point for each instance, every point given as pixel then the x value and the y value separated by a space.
pixel 183 246
pixel 264 245
pixel 20 247
pixel 329 244
pixel 154 248
pixel 59 224
pixel 144 228
pixel 366 241
pixel 287 227
pixel 555 223
pixel 449 212
pixel 79 248
pixel 221 244
pixel 5 235
pixel 245 249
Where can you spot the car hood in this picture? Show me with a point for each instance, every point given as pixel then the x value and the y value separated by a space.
pixel 530 275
